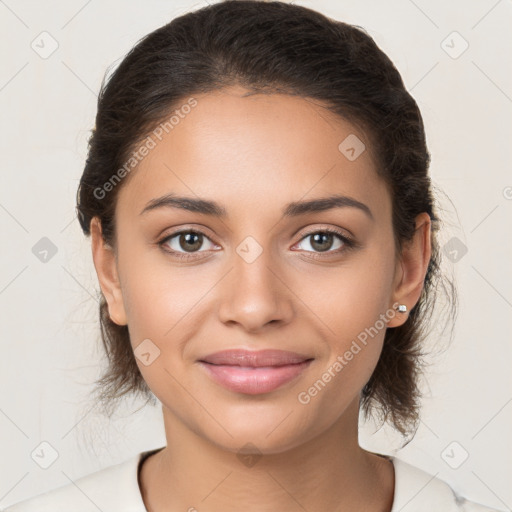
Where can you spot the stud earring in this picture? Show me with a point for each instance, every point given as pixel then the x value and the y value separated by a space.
pixel 401 308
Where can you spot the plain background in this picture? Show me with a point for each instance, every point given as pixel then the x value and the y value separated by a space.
pixel 50 349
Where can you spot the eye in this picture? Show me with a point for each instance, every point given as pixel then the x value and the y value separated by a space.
pixel 186 243
pixel 327 240
pixel 183 244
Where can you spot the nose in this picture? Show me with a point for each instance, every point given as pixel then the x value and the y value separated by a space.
pixel 254 294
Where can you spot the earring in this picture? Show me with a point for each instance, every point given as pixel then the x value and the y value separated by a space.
pixel 402 308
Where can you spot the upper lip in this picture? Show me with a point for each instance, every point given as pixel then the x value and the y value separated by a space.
pixel 242 357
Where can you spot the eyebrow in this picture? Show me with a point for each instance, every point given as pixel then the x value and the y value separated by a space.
pixel 293 209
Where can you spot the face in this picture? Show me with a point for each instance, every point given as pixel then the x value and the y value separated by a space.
pixel 317 279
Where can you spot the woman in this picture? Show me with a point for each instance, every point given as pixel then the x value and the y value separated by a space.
pixel 264 234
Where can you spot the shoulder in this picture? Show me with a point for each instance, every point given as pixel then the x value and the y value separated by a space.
pixel 419 491
pixel 110 489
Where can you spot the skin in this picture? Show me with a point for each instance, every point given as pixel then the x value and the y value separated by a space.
pixel 253 155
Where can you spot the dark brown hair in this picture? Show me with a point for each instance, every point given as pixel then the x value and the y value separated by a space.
pixel 271 47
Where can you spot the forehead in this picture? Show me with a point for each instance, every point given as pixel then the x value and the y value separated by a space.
pixel 254 151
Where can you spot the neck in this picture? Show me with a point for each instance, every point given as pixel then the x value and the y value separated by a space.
pixel 330 471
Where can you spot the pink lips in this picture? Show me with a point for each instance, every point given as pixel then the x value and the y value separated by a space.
pixel 254 372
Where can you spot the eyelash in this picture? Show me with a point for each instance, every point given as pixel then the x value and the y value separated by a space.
pixel 348 243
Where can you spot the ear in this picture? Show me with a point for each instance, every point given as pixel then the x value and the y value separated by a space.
pixel 411 269
pixel 106 268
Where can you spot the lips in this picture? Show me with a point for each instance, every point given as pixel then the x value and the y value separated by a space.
pixel 255 359
pixel 254 372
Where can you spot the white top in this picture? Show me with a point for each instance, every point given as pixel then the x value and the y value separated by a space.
pixel 116 489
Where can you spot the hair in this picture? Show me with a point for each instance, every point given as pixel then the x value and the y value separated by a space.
pixel 272 47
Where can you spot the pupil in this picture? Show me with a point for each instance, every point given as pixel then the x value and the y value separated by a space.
pixel 189 244
pixel 319 240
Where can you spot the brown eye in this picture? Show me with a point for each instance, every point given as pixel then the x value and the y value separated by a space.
pixel 190 241
pixel 325 240
pixel 322 241
pixel 186 242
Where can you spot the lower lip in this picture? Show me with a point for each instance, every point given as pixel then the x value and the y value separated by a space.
pixel 254 381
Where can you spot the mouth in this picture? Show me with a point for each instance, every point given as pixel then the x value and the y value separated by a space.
pixel 254 373
pixel 253 358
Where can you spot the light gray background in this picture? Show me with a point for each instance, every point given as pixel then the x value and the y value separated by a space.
pixel 50 350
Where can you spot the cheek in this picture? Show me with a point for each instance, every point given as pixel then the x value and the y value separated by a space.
pixel 155 305
pixel 154 298
pixel 351 297
pixel 355 306
pixel 157 309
